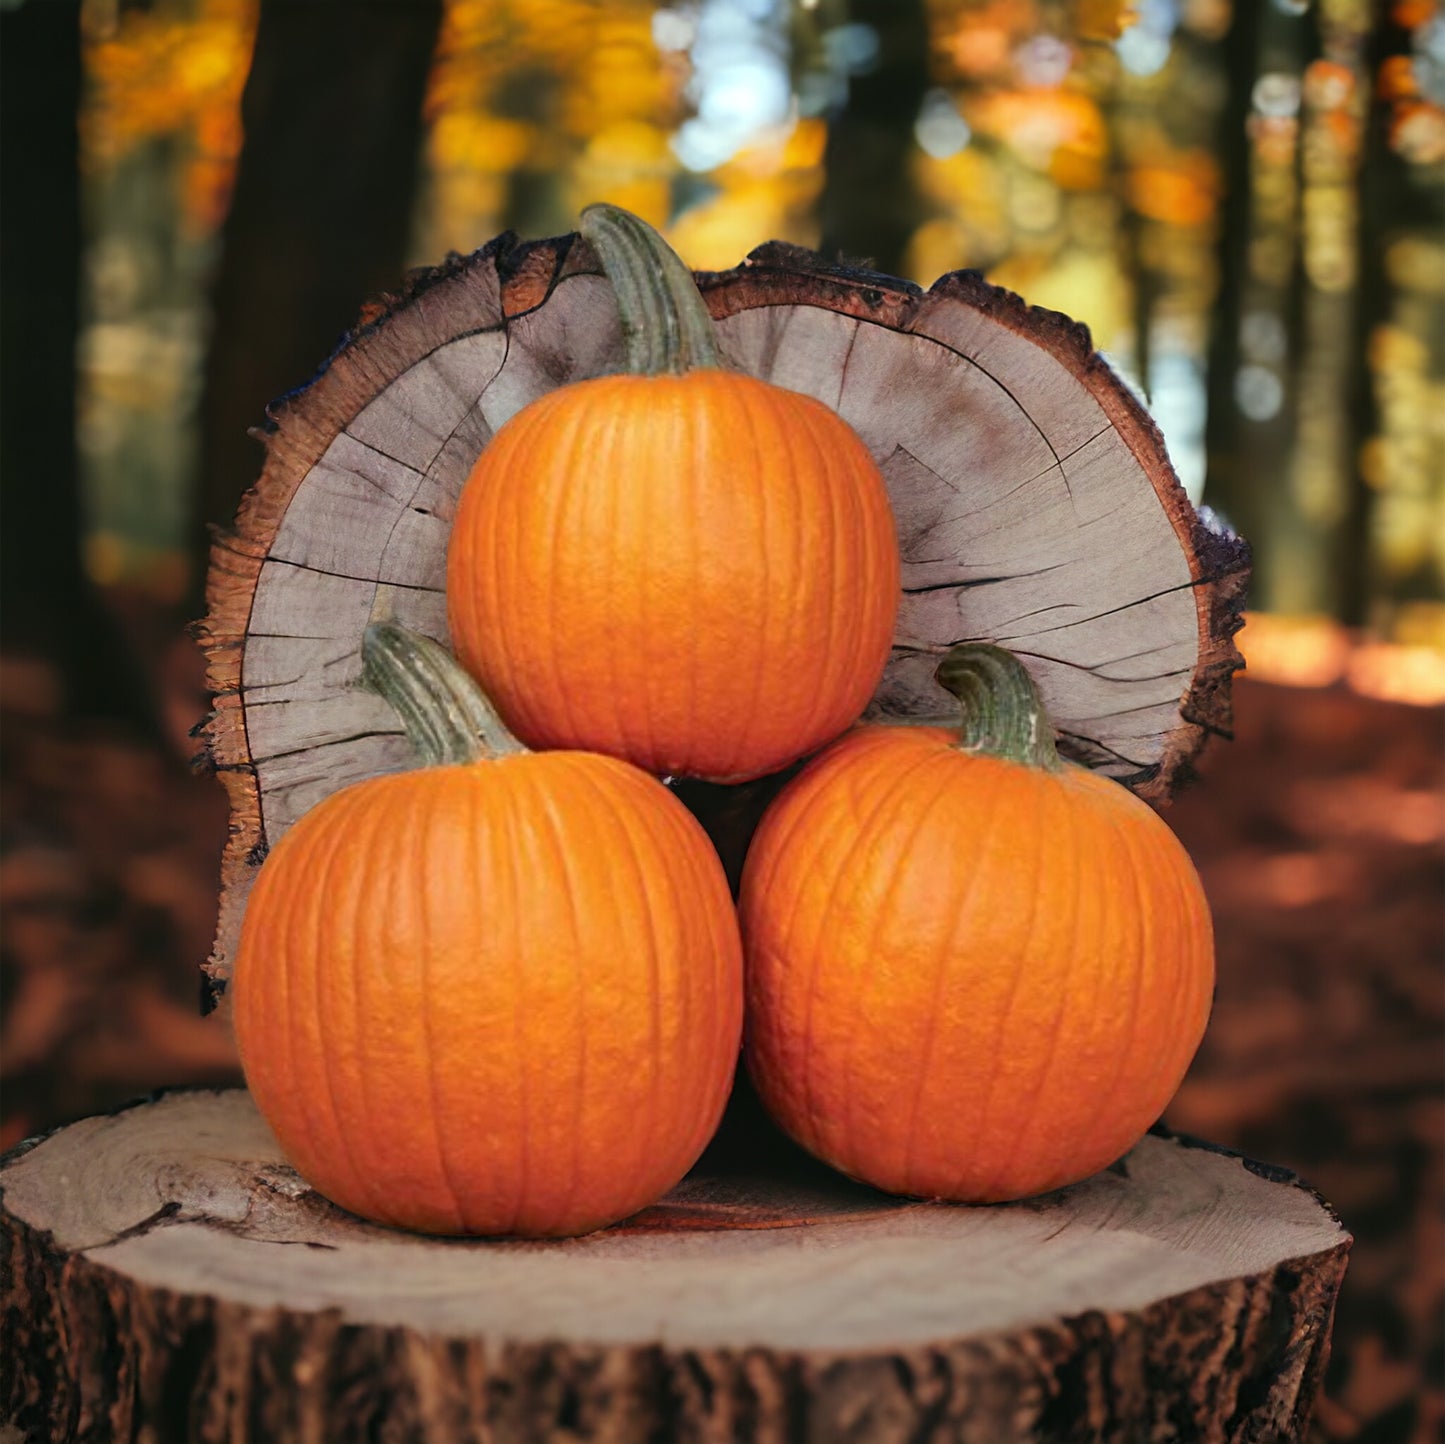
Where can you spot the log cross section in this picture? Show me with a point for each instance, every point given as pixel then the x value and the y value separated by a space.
pixel 1035 503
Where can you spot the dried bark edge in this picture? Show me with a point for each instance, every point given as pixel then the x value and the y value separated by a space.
pixel 202 1369
pixel 1219 560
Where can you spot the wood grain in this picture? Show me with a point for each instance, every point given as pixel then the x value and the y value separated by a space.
pixel 1036 504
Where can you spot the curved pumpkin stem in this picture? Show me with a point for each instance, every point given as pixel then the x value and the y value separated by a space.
pixel 665 325
pixel 448 718
pixel 1003 714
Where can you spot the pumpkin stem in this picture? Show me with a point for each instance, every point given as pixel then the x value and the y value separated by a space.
pixel 1003 715
pixel 665 325
pixel 448 718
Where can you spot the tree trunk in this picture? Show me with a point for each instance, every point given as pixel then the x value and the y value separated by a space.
pixel 48 606
pixel 320 216
pixel 170 1277
pixel 870 207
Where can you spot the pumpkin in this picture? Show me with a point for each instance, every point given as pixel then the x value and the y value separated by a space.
pixel 712 554
pixel 974 972
pixel 498 994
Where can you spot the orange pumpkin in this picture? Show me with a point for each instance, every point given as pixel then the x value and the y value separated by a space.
pixel 499 996
pixel 713 555
pixel 974 972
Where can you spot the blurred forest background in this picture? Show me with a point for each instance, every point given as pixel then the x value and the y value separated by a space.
pixel 1242 198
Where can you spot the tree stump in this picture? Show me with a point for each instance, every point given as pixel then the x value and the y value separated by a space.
pixel 1036 508
pixel 170 1278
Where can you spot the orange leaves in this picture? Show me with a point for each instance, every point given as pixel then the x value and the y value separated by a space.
pixel 1104 19
pixel 1037 121
pixel 1409 13
pixel 1417 132
pixel 158 75
pixel 568 90
pixel 1181 190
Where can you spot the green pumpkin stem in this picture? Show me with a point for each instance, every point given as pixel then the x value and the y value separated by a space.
pixel 1003 715
pixel 665 325
pixel 448 719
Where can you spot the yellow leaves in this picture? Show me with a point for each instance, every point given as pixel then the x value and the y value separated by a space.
pixel 1328 84
pixel 766 192
pixel 570 92
pixel 1417 263
pixel 779 155
pixel 718 234
pixel 620 78
pixel 629 146
pixel 158 75
pixel 980 51
pixel 1421 624
pixel 937 247
pixel 628 164
pixel 1087 285
pixel 1401 463
pixel 1417 132
pixel 1103 19
pixel 471 140
pixel 804 147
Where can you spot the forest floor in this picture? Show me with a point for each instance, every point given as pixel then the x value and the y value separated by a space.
pixel 1319 832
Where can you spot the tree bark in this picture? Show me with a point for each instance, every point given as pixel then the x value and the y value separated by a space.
pixel 48 605
pixel 870 206
pixel 319 219
pixel 170 1277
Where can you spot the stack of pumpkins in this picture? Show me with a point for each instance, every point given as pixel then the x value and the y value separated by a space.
pixel 504 993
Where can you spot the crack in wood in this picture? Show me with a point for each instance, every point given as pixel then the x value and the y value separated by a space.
pixel 972 361
pixel 386 545
pixel 1096 668
pixel 967 584
pixel 1051 607
pixel 1144 769
pixel 163 1215
pixel 1164 699
pixel 843 374
pixel 1023 410
pixel 1029 481
pixel 333 742
pixel 1192 584
pixel 352 577
pixel 289 636
pixel 255 700
pixel 375 451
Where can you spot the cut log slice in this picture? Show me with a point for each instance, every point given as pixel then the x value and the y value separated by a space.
pixel 1035 502
pixel 169 1277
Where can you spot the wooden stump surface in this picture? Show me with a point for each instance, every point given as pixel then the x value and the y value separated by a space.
pixel 1035 502
pixel 169 1277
